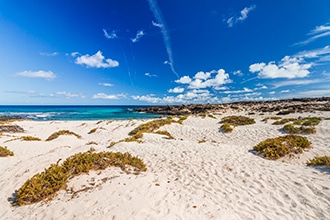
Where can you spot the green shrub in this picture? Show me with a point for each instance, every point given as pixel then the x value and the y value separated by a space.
pixel 226 128
pixel 238 120
pixel 44 185
pixel 4 152
pixel 62 132
pixel 319 161
pixel 275 148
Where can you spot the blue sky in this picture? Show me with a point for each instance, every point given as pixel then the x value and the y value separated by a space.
pixel 117 52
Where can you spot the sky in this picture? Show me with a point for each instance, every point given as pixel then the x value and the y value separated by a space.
pixel 162 52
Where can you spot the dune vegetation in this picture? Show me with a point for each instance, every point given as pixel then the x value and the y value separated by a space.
pixel 275 148
pixel 4 152
pixel 237 120
pixel 299 125
pixel 62 132
pixel 44 185
pixel 230 122
pixel 320 161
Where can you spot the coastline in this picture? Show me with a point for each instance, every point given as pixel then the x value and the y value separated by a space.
pixel 202 173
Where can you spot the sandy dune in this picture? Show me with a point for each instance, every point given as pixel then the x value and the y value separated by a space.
pixel 220 178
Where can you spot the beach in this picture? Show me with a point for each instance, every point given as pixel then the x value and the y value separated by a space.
pixel 201 173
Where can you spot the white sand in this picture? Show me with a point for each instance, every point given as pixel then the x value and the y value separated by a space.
pixel 218 179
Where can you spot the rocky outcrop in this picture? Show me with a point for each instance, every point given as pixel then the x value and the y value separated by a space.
pixel 280 107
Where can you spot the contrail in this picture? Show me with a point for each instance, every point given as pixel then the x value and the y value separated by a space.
pixel 166 37
pixel 128 69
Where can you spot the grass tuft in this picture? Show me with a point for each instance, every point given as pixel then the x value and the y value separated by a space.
pixel 275 148
pixel 44 185
pixel 319 161
pixel 4 152
pixel 62 132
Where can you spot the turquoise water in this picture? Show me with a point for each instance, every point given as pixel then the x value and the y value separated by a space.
pixel 46 113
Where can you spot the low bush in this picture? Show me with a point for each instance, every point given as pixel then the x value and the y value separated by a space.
pixel 62 132
pixel 319 161
pixel 275 148
pixel 44 185
pixel 4 152
pixel 238 120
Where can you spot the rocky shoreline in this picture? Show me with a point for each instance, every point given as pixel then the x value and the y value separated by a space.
pixel 280 107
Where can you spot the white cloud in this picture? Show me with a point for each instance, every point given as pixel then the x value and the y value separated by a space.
pixel 69 95
pixel 156 24
pixel 150 75
pixel 165 33
pixel 184 80
pixel 106 84
pixel 37 74
pixel 317 53
pixel 97 60
pixel 138 36
pixel 176 90
pixel 285 91
pixel 74 54
pixel 316 33
pixel 314 93
pixel 296 82
pixel 49 54
pixel 108 96
pixel 243 16
pixel 289 67
pixel 205 80
pixel 27 92
pixel 147 98
pixel 112 35
pixel 238 73
pixel 244 90
pixel 202 75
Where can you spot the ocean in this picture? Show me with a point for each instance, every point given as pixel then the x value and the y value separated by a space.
pixel 71 113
